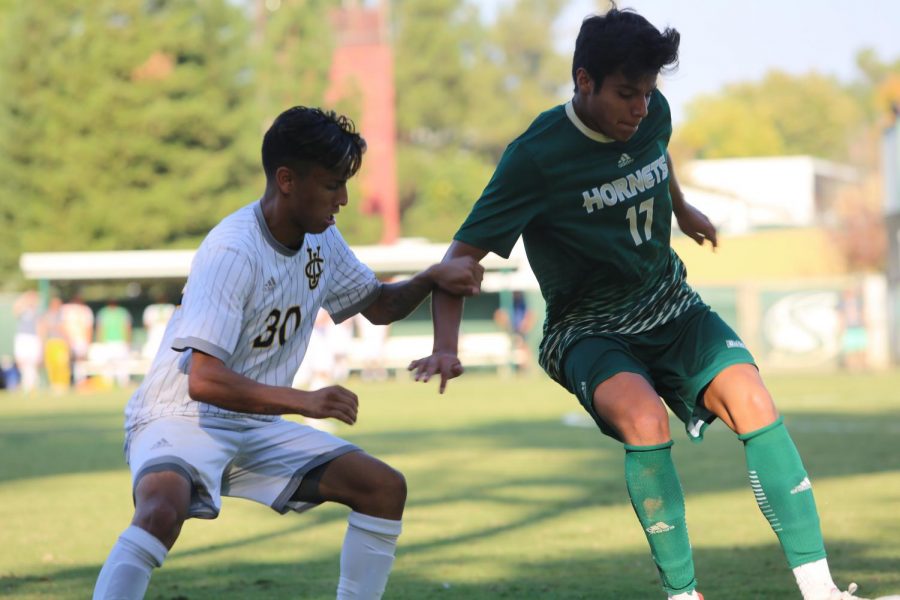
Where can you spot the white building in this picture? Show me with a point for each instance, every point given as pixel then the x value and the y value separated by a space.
pixel 743 194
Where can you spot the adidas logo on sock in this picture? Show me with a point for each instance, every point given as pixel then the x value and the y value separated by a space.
pixel 162 443
pixel 625 160
pixel 660 527
pixel 802 486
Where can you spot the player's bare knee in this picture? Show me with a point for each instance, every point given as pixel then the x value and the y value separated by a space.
pixel 384 494
pixel 394 486
pixel 646 428
pixel 161 518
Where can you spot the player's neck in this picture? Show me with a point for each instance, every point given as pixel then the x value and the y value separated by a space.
pixel 279 226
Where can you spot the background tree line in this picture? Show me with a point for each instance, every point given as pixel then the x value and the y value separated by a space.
pixel 135 124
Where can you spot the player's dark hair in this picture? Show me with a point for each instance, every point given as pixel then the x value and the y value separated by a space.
pixel 623 40
pixel 301 137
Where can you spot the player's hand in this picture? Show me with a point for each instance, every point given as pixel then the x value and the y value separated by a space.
pixel 696 225
pixel 460 276
pixel 333 401
pixel 445 363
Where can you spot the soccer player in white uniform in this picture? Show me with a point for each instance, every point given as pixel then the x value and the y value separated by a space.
pixel 206 421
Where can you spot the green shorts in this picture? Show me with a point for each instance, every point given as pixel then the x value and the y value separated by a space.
pixel 679 359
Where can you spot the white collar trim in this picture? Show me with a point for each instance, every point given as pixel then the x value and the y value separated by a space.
pixel 587 131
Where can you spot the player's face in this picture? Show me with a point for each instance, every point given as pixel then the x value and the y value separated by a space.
pixel 317 197
pixel 617 108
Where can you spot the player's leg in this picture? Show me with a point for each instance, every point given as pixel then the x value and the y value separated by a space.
pixel 290 466
pixel 616 391
pixel 161 506
pixel 376 494
pixel 704 371
pixel 176 469
pixel 779 480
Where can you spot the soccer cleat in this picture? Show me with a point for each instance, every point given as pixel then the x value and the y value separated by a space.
pixel 692 595
pixel 850 594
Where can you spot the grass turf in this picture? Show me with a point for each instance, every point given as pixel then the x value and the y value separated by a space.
pixel 506 499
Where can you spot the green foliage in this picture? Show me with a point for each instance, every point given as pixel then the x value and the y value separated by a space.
pixel 465 89
pixel 436 43
pixel 440 187
pixel 137 123
pixel 520 75
pixel 292 52
pixel 782 114
pixel 123 122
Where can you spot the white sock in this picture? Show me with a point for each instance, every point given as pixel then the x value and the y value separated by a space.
pixel 126 572
pixel 814 580
pixel 367 556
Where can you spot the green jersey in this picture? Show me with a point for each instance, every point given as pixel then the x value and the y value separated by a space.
pixel 595 216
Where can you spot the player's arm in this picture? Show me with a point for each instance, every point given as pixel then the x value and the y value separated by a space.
pixel 446 316
pixel 210 381
pixel 691 221
pixel 459 277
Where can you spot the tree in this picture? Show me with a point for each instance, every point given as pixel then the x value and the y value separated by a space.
pixel 292 54
pixel 782 114
pixel 520 74
pixel 465 89
pixel 122 123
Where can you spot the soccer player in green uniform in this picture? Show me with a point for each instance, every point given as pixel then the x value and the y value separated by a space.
pixel 590 188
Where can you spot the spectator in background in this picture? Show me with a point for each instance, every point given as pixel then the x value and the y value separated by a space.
pixel 318 366
pixel 156 317
pixel 114 336
pixel 854 337
pixel 78 325
pixel 3 370
pixel 8 372
pixel 518 325
pixel 27 342
pixel 56 347
pixel 340 337
pixel 373 339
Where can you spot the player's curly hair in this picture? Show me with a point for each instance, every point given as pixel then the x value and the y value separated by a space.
pixel 623 40
pixel 301 136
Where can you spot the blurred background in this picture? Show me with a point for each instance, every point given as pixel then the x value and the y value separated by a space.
pixel 129 128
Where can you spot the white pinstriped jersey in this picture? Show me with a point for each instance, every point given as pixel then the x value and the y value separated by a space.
pixel 251 302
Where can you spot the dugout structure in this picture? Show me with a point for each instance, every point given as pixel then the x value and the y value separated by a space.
pixel 482 343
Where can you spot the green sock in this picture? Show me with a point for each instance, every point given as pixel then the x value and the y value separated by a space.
pixel 783 492
pixel 658 500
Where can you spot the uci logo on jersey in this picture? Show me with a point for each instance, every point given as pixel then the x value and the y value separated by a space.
pixel 314 267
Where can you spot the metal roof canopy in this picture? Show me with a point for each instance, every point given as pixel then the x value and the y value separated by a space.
pixel 406 256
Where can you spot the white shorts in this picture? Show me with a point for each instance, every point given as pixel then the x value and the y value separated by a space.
pixel 27 349
pixel 264 461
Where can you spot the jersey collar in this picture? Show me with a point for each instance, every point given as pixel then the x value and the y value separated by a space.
pixel 267 235
pixel 587 131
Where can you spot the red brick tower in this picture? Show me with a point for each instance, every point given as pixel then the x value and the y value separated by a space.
pixel 363 65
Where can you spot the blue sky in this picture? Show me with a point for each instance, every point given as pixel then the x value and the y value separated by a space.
pixel 726 41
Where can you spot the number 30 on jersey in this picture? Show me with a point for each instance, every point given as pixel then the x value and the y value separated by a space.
pixel 276 326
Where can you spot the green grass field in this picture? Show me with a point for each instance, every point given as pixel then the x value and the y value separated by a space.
pixel 506 500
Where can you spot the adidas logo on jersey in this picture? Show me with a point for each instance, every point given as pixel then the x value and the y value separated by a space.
pixel 270 285
pixel 735 344
pixel 661 527
pixel 162 443
pixel 625 160
pixel 802 486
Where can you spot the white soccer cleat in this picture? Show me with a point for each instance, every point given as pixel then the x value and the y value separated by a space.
pixel 850 594
pixel 692 595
